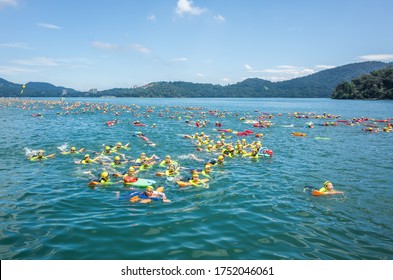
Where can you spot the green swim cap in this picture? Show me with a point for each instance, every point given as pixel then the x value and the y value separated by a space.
pixel 149 188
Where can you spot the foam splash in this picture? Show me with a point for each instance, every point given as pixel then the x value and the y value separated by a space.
pixel 63 148
pixel 30 152
pixel 190 156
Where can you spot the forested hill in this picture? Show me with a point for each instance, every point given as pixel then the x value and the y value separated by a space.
pixel 376 85
pixel 320 84
pixel 34 89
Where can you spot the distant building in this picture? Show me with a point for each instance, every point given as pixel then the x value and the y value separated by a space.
pixel 93 91
pixel 64 92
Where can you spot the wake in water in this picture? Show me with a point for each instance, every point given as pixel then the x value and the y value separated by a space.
pixel 190 156
pixel 63 148
pixel 30 152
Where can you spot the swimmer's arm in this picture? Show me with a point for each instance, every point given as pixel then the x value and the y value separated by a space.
pixel 333 192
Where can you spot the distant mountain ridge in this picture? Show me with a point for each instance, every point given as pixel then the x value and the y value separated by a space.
pixel 320 84
pixel 34 89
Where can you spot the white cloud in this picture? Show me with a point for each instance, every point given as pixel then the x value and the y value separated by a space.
pixel 186 7
pixel 6 70
pixel 180 59
pixel 103 45
pixel 323 67
pixel 38 61
pixel 377 57
pixel 109 46
pixel 226 80
pixel 15 46
pixel 139 48
pixel 287 67
pixel 4 3
pixel 200 75
pixel 248 67
pixel 281 72
pixel 48 25
pixel 151 17
pixel 219 18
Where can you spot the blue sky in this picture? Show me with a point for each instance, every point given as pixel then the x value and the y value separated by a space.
pixel 124 43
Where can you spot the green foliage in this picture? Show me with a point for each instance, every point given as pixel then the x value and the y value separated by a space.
pixel 375 85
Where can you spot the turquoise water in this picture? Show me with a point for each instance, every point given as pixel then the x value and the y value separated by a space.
pixel 253 209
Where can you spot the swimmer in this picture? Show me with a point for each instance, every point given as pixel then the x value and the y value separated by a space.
pixel 146 164
pixel 210 148
pixel 107 151
pixel 328 188
pixel 229 151
pixel 142 157
pixel 150 193
pixel 196 181
pixel 73 151
pixel 86 160
pixel 167 161
pixel 41 156
pixel 172 170
pixel 131 172
pixel 220 160
pixel 253 153
pixel 120 146
pixel 207 170
pixel 104 179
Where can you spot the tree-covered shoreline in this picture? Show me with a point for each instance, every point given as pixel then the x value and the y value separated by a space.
pixel 375 85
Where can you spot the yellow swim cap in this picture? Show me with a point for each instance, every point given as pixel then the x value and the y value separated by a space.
pixel 168 157
pixel 220 157
pixel 117 158
pixel 73 149
pixel 326 183
pixel 87 155
pixel 107 148
pixel 149 188
pixel 131 168
pixel 104 174
pixel 119 143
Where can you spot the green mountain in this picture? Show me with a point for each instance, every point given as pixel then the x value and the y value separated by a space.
pixel 375 85
pixel 34 89
pixel 320 84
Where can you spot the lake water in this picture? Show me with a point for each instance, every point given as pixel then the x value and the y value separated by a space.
pixel 253 209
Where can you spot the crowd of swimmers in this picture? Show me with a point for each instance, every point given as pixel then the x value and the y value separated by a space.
pixel 223 145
